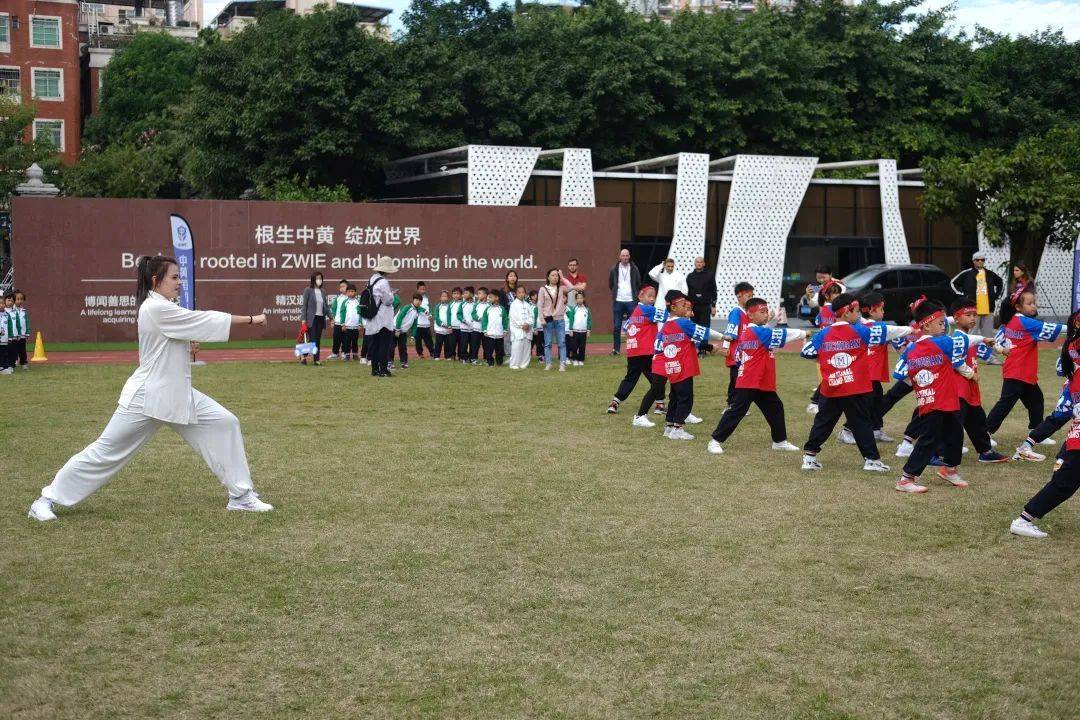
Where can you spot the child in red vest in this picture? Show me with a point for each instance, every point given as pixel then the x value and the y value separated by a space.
pixel 756 381
pixel 1066 478
pixel 872 306
pixel 937 366
pixel 736 323
pixel 641 329
pixel 1020 373
pixel 825 318
pixel 846 385
pixel 677 360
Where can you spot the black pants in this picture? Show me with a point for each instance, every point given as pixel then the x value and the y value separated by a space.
pixel 973 418
pixel 443 346
pixel 579 339
pixel 1048 427
pixel 339 339
pixel 942 432
pixel 896 393
pixel 475 341
pixel 636 366
pixel 494 350
pixel 18 353
pixel 655 394
pixel 1011 391
pixel 456 344
pixel 381 347
pixel 538 344
pixel 314 333
pixel 402 342
pixel 423 337
pixel 349 341
pixel 1063 483
pixel 856 408
pixel 876 400
pixel 5 356
pixel 680 401
pixel 703 314
pixel 733 375
pixel 366 346
pixel 767 401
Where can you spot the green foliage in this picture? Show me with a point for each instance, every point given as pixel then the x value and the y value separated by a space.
pixel 300 190
pixel 1026 195
pixel 16 153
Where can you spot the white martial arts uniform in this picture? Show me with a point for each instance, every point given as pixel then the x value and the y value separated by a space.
pixel 521 314
pixel 160 393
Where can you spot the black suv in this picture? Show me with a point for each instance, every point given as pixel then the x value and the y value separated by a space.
pixel 901 285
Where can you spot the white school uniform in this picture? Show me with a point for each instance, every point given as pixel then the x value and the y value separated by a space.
pixel 159 393
pixel 521 314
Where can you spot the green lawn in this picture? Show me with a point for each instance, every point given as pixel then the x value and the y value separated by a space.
pixel 464 542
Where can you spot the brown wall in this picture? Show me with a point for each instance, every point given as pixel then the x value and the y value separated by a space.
pixel 68 254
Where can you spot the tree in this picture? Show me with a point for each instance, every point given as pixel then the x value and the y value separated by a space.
pixel 1029 196
pixel 16 152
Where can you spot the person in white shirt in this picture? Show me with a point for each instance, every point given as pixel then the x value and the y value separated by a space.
pixel 624 282
pixel 668 279
pixel 521 330
pixel 159 393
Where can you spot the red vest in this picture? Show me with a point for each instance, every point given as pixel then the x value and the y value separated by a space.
pixel 969 389
pixel 678 359
pixel 1072 442
pixel 733 354
pixel 842 361
pixel 933 378
pixel 877 361
pixel 1022 362
pixel 640 334
pixel 757 369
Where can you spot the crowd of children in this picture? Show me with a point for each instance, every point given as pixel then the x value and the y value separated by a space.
pixel 471 325
pixel 14 332
pixel 938 364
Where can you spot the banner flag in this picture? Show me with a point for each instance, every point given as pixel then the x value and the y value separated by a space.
pixel 184 250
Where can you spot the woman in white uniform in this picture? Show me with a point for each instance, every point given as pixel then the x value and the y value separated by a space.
pixel 160 393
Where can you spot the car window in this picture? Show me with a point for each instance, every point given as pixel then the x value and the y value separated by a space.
pixel 888 280
pixel 933 277
pixel 859 278
pixel 911 278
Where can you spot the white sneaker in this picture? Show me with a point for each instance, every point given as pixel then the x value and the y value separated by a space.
pixel 784 445
pixel 812 408
pixel 6 371
pixel 1026 528
pixel 909 486
pixel 875 466
pixel 810 462
pixel 332 356
pixel 692 419
pixel 547 366
pixel 715 448
pixel 642 421
pixel 562 367
pixel 249 502
pixel 880 436
pixel 904 449
pixel 678 433
pixel 41 510
pixel 1048 441
pixel 1027 454
pixel 846 437
pixel 667 430
pixel 952 477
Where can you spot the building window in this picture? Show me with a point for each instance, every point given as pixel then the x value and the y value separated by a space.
pixel 5 32
pixel 10 82
pixel 51 130
pixel 48 83
pixel 93 8
pixel 45 32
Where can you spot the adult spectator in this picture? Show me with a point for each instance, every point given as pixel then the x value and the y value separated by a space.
pixel 510 285
pixel 1021 282
pixel 551 306
pixel 314 314
pixel 667 279
pixel 984 287
pixel 701 286
pixel 624 281
pixel 379 330
pixel 822 275
pixel 574 281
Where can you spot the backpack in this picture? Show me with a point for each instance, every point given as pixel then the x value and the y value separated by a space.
pixel 368 307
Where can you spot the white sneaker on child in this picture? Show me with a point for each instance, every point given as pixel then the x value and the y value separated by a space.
pixel 904 449
pixel 810 462
pixel 875 466
pixel 715 448
pixel 1048 441
pixel 907 485
pixel 846 437
pixel 678 433
pixel 249 502
pixel 692 419
pixel 1026 528
pixel 784 445
pixel 880 436
pixel 642 421
pixel 41 510
pixel 812 408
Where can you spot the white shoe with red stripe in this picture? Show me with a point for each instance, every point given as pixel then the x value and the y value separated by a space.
pixel 907 485
pixel 952 477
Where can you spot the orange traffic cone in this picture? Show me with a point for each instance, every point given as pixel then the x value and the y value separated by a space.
pixel 39 350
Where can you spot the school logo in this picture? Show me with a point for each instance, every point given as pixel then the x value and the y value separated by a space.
pixel 632 331
pixel 924 378
pixel 671 351
pixel 841 360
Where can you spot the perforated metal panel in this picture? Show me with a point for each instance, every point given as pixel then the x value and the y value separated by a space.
pixel 1053 282
pixel 896 247
pixel 577 188
pixel 766 192
pixel 498 174
pixel 997 258
pixel 691 204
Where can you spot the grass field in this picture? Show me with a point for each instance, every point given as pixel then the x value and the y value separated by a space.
pixel 474 543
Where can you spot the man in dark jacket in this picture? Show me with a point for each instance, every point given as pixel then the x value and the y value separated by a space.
pixel 701 285
pixel 984 287
pixel 624 281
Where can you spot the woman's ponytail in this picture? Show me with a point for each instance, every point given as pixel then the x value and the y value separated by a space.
pixel 149 269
